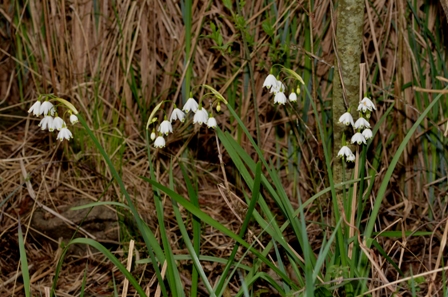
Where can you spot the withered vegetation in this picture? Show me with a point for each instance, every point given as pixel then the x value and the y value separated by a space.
pixel 115 62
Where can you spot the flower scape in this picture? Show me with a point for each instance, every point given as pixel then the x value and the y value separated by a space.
pixel 51 120
pixel 361 128
pixel 277 87
pixel 200 116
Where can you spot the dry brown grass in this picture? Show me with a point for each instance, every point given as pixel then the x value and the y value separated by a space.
pixel 90 57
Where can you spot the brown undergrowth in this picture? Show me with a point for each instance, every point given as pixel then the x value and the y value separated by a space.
pixel 115 63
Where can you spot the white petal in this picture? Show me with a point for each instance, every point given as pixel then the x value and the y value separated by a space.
pixel 358 138
pixel 211 123
pixel 270 81
pixel 73 119
pixel 351 158
pixel 200 117
pixel 191 104
pixel 165 127
pixel 293 97
pixel 47 123
pixel 344 151
pixel 362 123
pixel 58 123
pixel 64 134
pixel 35 109
pixel 46 108
pixel 367 133
pixel 280 98
pixel 160 142
pixel 366 104
pixel 346 119
pixel 177 114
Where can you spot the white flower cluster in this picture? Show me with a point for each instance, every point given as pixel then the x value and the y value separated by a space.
pixel 51 120
pixel 278 88
pixel 361 126
pixel 201 116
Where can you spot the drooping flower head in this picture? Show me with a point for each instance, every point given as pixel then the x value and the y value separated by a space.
pixel 201 116
pixel 58 123
pixel 191 104
pixel 47 123
pixel 35 108
pixel 160 142
pixel 358 138
pixel 278 87
pixel 366 105
pixel 270 81
pixel 211 122
pixel 47 108
pixel 280 98
pixel 346 119
pixel 292 97
pixel 73 119
pixel 367 133
pixel 347 153
pixel 177 114
pixel 165 127
pixel 362 123
pixel 153 134
pixel 64 133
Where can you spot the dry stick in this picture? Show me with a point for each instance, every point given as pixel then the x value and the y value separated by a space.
pixel 128 268
pixel 362 83
pixel 196 35
pixel 405 280
pixel 353 206
pixel 49 48
pixel 439 257
pixel 158 290
pixel 84 36
pixel 33 279
pixel 221 162
pixel 375 42
pixel 14 277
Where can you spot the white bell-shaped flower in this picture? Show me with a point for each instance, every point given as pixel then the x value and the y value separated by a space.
pixel 367 133
pixel 35 109
pixel 73 119
pixel 292 97
pixel 47 108
pixel 346 119
pixel 362 123
pixel 270 81
pixel 165 127
pixel 64 134
pixel 280 98
pixel 278 87
pixel 358 138
pixel 347 153
pixel 211 122
pixel 160 142
pixel 366 104
pixel 58 123
pixel 201 116
pixel 177 114
pixel 191 104
pixel 47 123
